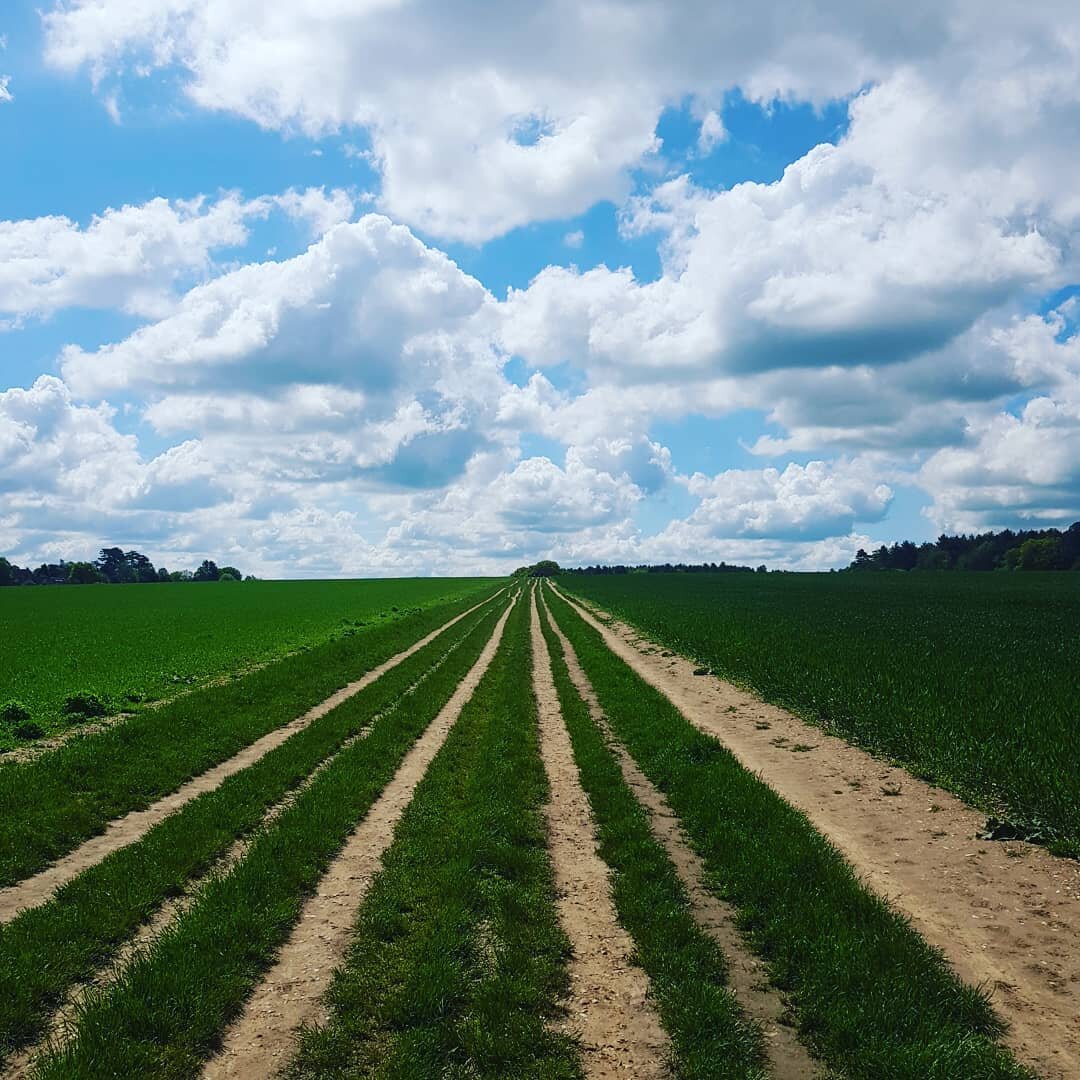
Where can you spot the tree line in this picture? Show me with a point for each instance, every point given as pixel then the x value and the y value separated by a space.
pixel 1031 549
pixel 113 566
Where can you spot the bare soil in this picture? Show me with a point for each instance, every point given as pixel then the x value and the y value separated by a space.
pixel 788 1059
pixel 1006 916
pixel 262 1040
pixel 132 827
pixel 609 1005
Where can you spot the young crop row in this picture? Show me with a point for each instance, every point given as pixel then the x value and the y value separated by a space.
pixel 51 804
pixel 971 681
pixel 46 949
pixel 112 649
pixel 164 1014
pixel 868 995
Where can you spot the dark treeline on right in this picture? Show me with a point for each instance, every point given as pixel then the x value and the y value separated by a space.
pixel 1036 549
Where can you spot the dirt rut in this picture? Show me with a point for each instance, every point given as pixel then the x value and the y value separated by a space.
pixel 126 830
pixel 788 1059
pixel 611 1012
pixel 1006 916
pixel 261 1041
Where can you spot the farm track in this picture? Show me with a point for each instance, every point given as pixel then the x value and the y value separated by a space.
pixel 128 829
pixel 788 1059
pixel 612 1013
pixel 1004 917
pixel 259 1042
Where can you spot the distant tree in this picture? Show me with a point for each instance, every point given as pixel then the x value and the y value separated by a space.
pixel 51 574
pixel 762 569
pixel 7 572
pixel 84 573
pixel 113 565
pixel 181 575
pixel 163 574
pixel 1039 554
pixel 140 568
pixel 208 571
pixel 231 572
pixel 544 568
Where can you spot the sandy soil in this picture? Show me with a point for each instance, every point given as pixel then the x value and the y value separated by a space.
pixel 126 830
pixel 263 1038
pixel 788 1059
pixel 609 1004
pixel 1006 916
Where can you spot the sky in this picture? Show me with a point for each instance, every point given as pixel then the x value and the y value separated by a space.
pixel 396 287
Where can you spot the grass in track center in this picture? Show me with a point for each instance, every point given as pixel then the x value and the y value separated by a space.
pixel 46 949
pixel 50 805
pixel 710 1037
pixel 870 996
pixel 165 1013
pixel 459 959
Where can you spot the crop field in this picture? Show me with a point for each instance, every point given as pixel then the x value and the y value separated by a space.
pixel 970 680
pixel 489 837
pixel 140 643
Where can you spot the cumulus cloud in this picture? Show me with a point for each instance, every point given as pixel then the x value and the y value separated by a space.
pixel 811 502
pixel 1017 471
pixel 134 258
pixel 367 306
pixel 5 89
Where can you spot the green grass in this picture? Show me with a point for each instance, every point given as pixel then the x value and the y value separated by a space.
pixel 46 949
pixel 50 805
pixel 165 1013
pixel 869 995
pixel 970 680
pixel 458 958
pixel 710 1038
pixel 130 644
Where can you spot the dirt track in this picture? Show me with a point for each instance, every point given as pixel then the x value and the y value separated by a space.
pixel 261 1040
pixel 1005 916
pixel 132 827
pixel 611 1012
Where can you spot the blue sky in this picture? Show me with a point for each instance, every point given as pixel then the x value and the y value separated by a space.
pixel 381 292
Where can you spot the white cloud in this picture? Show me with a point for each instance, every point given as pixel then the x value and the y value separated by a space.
pixel 574 239
pixel 711 133
pixel 5 89
pixel 1012 471
pixel 811 502
pixel 134 258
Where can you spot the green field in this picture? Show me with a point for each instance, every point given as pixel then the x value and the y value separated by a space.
pixel 136 643
pixel 459 957
pixel 970 680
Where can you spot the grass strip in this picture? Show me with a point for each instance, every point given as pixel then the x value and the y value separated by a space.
pixel 459 959
pixel 870 995
pixel 52 804
pixel 710 1037
pixel 46 949
pixel 165 1013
